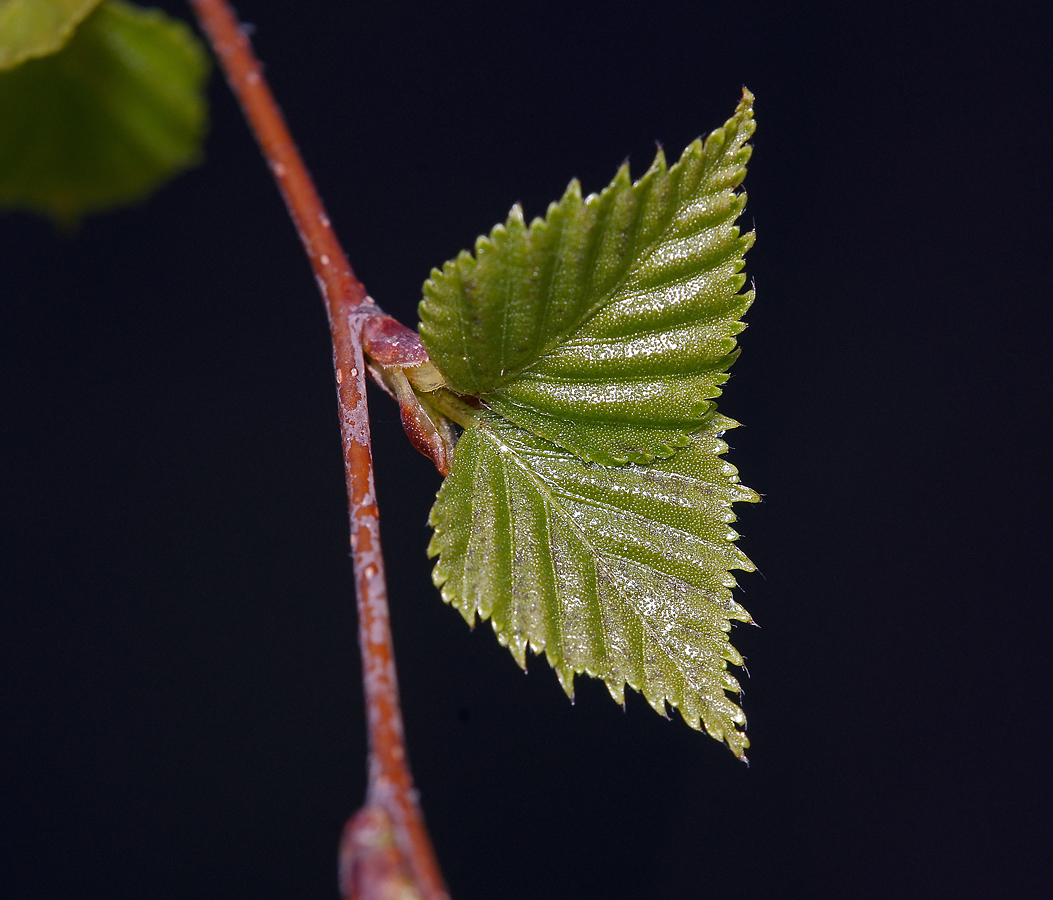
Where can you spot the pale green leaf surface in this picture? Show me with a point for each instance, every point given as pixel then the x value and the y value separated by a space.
pixel 619 572
pixel 104 121
pixel 30 28
pixel 608 326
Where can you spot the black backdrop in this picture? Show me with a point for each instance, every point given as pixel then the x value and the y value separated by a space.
pixel 181 709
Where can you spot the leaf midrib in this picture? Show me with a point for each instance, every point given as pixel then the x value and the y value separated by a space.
pixel 591 252
pixel 561 339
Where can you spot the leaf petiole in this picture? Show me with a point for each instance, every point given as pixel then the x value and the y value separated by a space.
pixel 452 406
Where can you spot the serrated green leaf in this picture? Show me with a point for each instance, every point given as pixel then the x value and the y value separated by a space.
pixel 30 28
pixel 105 120
pixel 608 326
pixel 587 511
pixel 618 572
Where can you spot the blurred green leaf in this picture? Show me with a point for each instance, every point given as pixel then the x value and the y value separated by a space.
pixel 31 28
pixel 587 511
pixel 104 121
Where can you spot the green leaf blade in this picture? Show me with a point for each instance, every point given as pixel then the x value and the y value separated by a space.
pixel 608 326
pixel 104 121
pixel 588 510
pixel 620 573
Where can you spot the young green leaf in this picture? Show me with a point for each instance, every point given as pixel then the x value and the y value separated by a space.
pixel 587 511
pixel 619 572
pixel 30 28
pixel 609 325
pixel 118 110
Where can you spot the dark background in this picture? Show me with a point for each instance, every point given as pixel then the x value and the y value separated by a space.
pixel 181 711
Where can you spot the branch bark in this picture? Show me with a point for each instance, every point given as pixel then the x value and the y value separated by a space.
pixel 348 307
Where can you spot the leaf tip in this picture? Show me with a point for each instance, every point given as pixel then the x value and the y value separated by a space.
pixel 656 699
pixel 660 165
pixel 573 191
pixel 715 140
pixel 514 641
pixel 617 691
pixel 566 681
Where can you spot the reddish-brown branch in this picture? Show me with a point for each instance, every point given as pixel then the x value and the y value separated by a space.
pixel 348 307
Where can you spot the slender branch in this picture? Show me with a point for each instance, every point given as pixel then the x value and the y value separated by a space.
pixel 348 307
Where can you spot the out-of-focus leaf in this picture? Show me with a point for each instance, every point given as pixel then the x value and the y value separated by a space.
pixel 31 28
pixel 108 118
